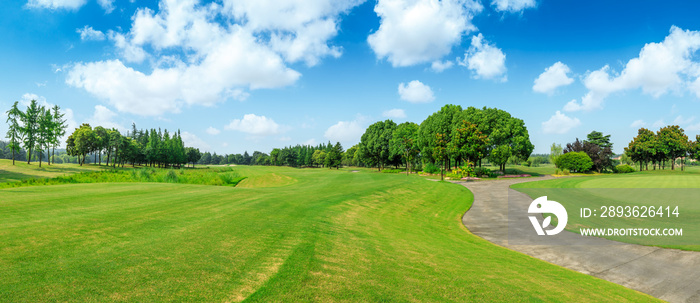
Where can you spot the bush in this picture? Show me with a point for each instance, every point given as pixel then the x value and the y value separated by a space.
pixel 392 171
pixel 482 171
pixel 526 163
pixel 565 172
pixel 574 161
pixel 431 168
pixel 624 169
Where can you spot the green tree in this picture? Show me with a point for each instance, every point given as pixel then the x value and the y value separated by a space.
pixel 319 157
pixel 440 122
pixel 404 142
pixel 467 142
pixel 14 131
pixel 59 128
pixel 642 149
pixel 30 127
pixel 674 142
pixel 374 143
pixel 440 152
pixel 334 156
pixel 554 152
pixel 575 162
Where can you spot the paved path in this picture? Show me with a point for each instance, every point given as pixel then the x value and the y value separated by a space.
pixel 668 274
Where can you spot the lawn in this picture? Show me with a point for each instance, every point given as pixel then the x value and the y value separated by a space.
pixel 23 171
pixel 648 188
pixel 290 235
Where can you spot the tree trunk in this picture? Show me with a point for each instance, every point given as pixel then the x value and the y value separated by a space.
pixel 40 156
pixel 13 156
pixel 53 155
pixel 29 156
pixel 673 164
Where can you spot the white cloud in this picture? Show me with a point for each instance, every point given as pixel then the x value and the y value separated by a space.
pixel 683 121
pixel 254 125
pixel 440 66
pixel 88 33
pixel 202 54
pixel 485 60
pixel 56 4
pixel 660 68
pixel 416 92
pixel 638 124
pixel 658 123
pixel 395 113
pixel 41 100
pixel 560 124
pixel 104 117
pixel 107 5
pixel 347 133
pixel 311 142
pixel 552 78
pixel 212 131
pixel 191 140
pixel 418 31
pixel 512 6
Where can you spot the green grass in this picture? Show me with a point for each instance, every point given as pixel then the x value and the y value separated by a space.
pixel 647 188
pixel 223 176
pixel 23 171
pixel 329 235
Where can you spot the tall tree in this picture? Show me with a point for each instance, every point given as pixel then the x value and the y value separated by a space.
pixel 674 142
pixel 467 142
pixel 14 131
pixel 30 127
pixel 59 128
pixel 44 133
pixel 374 143
pixel 334 156
pixel 404 142
pixel 440 152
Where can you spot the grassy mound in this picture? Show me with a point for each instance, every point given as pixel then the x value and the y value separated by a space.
pixel 330 236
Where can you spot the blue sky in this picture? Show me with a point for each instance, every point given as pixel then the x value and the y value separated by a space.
pixel 238 75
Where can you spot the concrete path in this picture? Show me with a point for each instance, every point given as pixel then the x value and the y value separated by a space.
pixel 668 274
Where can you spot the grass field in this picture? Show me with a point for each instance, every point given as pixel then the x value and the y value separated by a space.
pixel 23 171
pixel 648 188
pixel 290 235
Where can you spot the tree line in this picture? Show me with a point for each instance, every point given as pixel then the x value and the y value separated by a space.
pixel 37 129
pixel 666 145
pixel 322 155
pixel 451 137
pixel 137 147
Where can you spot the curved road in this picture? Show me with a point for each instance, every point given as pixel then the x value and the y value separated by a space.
pixel 668 274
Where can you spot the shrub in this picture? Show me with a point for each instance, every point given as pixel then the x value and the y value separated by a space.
pixel 392 171
pixel 624 169
pixel 526 163
pixel 574 161
pixel 565 172
pixel 431 168
pixel 482 171
pixel 170 177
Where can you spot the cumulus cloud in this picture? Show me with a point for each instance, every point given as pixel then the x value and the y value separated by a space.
pixel 660 68
pixel 191 140
pixel 416 92
pixel 419 31
pixel 107 5
pixel 254 125
pixel 201 54
pixel 560 124
pixel 512 6
pixel 346 132
pixel 440 66
pixel 553 77
pixel 485 60
pixel 212 131
pixel 88 33
pixel 638 124
pixel 395 113
pixel 56 4
pixel 104 117
pixel 40 100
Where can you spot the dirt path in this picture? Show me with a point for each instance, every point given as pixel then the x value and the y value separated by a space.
pixel 668 274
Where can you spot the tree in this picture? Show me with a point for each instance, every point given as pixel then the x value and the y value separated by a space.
pixel 673 141
pixel 554 152
pixel 499 156
pixel 334 156
pixel 30 127
pixel 59 127
pixel 440 122
pixel 467 142
pixel 404 142
pixel 44 133
pixel 440 152
pixel 193 155
pixel 319 157
pixel 642 149
pixel 599 139
pixel 575 162
pixel 375 142
pixel 14 132
pixel 349 156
